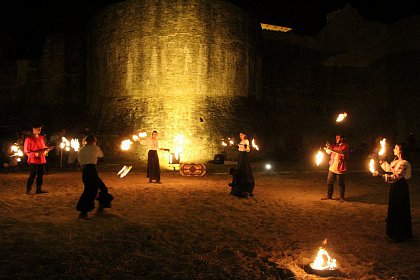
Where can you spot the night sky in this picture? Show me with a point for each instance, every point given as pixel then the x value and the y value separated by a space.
pixel 24 23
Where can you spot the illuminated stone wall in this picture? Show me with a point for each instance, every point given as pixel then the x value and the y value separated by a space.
pixel 162 64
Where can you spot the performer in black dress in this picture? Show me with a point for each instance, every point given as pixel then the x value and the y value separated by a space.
pixel 153 167
pixel 243 162
pixel 398 227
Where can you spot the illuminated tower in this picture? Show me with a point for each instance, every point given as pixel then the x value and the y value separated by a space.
pixel 179 67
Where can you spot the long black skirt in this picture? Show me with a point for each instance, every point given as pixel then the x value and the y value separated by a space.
pixel 245 166
pixel 398 225
pixel 92 184
pixel 153 167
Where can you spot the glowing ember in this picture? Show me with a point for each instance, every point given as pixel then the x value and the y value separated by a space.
pixel 372 165
pixel 126 144
pixel 124 171
pixel 319 157
pixel 383 148
pixel 255 146
pixel 341 117
pixel 323 261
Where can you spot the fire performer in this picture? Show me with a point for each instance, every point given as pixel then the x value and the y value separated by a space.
pixel 398 222
pixel 243 162
pixel 88 157
pixel 240 186
pixel 36 150
pixel 339 153
pixel 153 167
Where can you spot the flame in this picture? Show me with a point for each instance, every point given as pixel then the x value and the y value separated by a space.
pixel 323 261
pixel 126 144
pixel 255 146
pixel 223 143
pixel 14 148
pixel 231 141
pixel 142 134
pixel 179 140
pixel 74 143
pixel 135 137
pixel 17 152
pixel 65 144
pixel 372 165
pixel 319 157
pixel 341 117
pixel 383 148
pixel 124 171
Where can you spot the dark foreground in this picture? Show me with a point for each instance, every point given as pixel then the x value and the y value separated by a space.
pixel 191 228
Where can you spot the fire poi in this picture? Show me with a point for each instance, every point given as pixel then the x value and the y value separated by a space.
pixel 254 145
pixel 341 117
pixel 126 144
pixel 319 157
pixel 232 143
pixel 124 171
pixel 382 151
pixel 372 165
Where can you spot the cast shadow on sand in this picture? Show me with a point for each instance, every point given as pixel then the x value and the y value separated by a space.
pixel 369 199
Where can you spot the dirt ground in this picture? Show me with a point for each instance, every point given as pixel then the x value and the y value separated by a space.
pixel 191 228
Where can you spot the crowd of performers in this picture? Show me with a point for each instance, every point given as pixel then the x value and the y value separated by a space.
pixel 395 173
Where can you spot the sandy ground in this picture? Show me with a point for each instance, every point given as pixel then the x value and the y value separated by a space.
pixel 191 228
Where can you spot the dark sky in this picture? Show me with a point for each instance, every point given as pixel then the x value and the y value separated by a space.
pixel 25 22
pixel 308 17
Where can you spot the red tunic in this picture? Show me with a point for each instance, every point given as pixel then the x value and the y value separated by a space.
pixel 338 160
pixel 33 144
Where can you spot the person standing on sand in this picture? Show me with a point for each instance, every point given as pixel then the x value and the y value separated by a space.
pixel 36 150
pixel 88 158
pixel 243 163
pixel 398 222
pixel 153 166
pixel 339 154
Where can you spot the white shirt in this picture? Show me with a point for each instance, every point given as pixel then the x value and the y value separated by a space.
pixel 242 144
pixel 89 154
pixel 399 168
